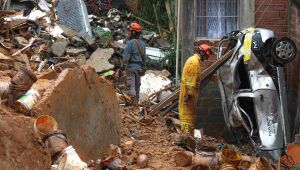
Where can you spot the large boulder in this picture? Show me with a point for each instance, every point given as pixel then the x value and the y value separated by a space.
pixel 86 109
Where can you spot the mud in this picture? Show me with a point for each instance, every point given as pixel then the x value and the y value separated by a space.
pixel 20 146
pixel 157 144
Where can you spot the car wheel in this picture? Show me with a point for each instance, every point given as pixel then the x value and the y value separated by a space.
pixel 284 50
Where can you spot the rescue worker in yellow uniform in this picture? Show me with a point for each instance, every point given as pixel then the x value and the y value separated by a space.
pixel 189 88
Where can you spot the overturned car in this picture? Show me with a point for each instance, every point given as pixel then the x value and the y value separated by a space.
pixel 253 91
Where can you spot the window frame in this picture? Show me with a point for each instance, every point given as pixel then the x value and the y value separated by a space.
pixel 245 17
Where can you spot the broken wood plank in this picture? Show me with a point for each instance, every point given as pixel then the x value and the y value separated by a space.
pixel 207 72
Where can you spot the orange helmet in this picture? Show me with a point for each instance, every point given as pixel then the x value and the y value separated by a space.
pixel 135 27
pixel 205 48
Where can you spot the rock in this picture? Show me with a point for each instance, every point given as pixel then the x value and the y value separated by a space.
pixel 142 161
pixel 59 48
pixel 81 59
pixel 90 41
pixel 99 59
pixel 114 150
pixel 163 43
pixel 86 109
pixel 76 41
pixel 68 31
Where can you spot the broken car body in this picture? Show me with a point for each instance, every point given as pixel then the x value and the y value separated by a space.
pixel 252 87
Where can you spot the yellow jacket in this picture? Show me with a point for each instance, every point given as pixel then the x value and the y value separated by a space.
pixel 189 92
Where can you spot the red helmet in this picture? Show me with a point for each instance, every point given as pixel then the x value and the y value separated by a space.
pixel 205 48
pixel 135 27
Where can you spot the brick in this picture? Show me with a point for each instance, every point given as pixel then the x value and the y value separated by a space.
pixel 276 29
pixel 272 22
pixel 271 7
pixel 281 34
pixel 266 15
pixel 273 2
pixel 284 15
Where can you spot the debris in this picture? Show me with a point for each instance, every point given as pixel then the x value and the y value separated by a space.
pixel 4 90
pixel 142 161
pixel 76 41
pixel 59 48
pixel 201 167
pixel 21 42
pixel 227 166
pixel 31 97
pixel 26 102
pixel 154 53
pixel 45 124
pixel 31 41
pixel 20 83
pixel 184 158
pixel 151 83
pixel 70 160
pixel 99 60
pixel 231 157
pixel 261 164
pixel 75 51
pixel 56 142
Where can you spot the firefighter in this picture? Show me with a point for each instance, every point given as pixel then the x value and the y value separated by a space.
pixel 189 88
pixel 133 61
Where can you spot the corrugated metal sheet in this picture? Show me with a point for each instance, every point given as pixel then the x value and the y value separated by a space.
pixel 73 14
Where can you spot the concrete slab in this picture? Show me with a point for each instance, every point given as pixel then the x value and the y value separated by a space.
pixel 59 48
pixel 99 59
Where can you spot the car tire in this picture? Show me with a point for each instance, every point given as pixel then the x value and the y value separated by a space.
pixel 284 50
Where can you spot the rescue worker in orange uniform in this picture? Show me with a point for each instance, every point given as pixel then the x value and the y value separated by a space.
pixel 189 88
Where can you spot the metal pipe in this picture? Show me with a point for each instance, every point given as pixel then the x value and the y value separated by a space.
pixel 177 44
pixel 283 106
